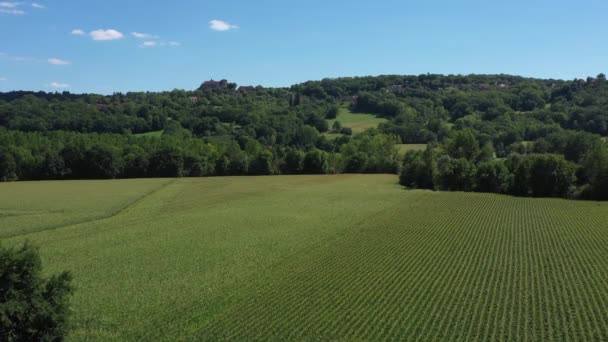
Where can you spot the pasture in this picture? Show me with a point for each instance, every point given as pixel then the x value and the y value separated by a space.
pixel 348 257
pixel 358 122
pixel 403 148
pixel 150 134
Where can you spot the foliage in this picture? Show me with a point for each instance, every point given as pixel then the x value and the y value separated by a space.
pixel 370 153
pixel 315 162
pixel 463 145
pixel 493 176
pixel 595 172
pixel 417 169
pixel 32 308
pixel 483 119
pixel 542 175
pixel 454 174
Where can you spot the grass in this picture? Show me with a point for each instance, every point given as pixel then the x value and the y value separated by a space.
pixel 349 257
pixel 402 148
pixel 150 134
pixel 358 122
pixel 28 207
pixel 332 136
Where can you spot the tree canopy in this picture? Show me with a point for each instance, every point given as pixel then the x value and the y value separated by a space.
pixel 32 308
pixel 478 126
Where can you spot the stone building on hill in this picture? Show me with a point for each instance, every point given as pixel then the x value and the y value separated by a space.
pixel 214 84
pixel 246 88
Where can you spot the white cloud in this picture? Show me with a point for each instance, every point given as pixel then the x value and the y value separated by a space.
pixel 37 5
pixel 58 85
pixel 153 43
pixel 106 35
pixel 21 59
pixel 10 7
pixel 219 25
pixel 12 58
pixel 149 44
pixel 7 4
pixel 57 61
pixel 12 11
pixel 78 32
pixel 3 79
pixel 144 35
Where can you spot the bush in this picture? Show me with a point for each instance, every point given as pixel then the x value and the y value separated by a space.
pixel 336 127
pixel 32 308
pixel 346 130
pixel 332 113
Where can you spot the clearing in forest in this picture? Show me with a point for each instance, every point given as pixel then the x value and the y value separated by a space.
pixel 358 122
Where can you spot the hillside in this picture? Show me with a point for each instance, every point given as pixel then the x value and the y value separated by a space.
pixel 510 122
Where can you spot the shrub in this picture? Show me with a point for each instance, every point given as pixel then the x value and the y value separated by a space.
pixel 32 308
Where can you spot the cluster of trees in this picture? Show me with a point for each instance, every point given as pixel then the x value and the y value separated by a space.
pixel 461 164
pixel 490 133
pixel 521 125
pixel 421 109
pixel 67 155
pixel 265 114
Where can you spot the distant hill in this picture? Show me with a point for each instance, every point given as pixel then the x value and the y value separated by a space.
pixel 221 128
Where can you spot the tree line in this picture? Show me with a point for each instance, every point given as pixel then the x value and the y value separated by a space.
pixel 569 165
pixel 69 155
pixel 521 125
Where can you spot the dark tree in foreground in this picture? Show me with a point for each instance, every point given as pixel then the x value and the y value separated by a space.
pixel 32 308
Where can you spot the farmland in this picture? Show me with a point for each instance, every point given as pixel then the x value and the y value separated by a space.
pixel 351 257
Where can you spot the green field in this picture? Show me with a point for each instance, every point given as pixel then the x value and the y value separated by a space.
pixel 150 134
pixel 358 122
pixel 349 257
pixel 35 206
pixel 402 148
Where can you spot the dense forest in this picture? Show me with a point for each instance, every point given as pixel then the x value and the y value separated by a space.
pixel 488 133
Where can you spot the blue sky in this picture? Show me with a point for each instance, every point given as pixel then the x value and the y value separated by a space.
pixel 106 46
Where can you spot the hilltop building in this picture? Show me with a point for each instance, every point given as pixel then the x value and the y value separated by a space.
pixel 214 84
pixel 246 88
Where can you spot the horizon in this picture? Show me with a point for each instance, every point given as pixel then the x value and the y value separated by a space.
pixel 59 91
pixel 112 47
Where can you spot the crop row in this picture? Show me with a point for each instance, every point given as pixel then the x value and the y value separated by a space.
pixel 449 267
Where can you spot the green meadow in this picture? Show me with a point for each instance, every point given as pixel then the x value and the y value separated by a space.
pixel 403 148
pixel 358 122
pixel 150 134
pixel 335 257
